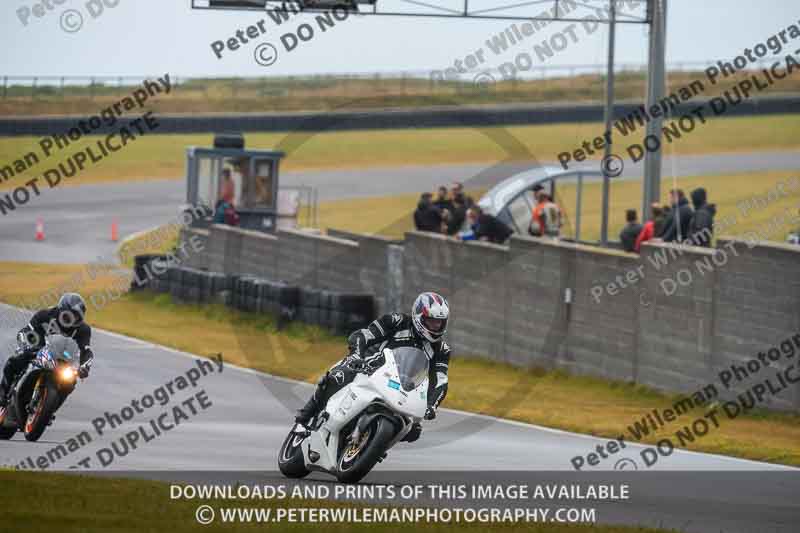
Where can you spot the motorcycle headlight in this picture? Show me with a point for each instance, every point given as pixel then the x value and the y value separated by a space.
pixel 67 374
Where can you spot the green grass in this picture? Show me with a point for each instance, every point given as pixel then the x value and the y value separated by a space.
pixel 163 156
pixel 331 92
pixel 156 241
pixel 44 502
pixel 550 398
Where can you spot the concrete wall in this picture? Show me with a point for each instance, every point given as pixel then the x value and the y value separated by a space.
pixel 200 236
pixel 757 305
pixel 672 318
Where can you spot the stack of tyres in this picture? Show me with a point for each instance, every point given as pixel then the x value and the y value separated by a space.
pixel 327 301
pixel 239 292
pixel 244 299
pixel 269 298
pixel 218 288
pixel 353 311
pixel 270 294
pixel 288 302
pixel 160 267
pixel 339 313
pixel 192 281
pixel 144 275
pixel 308 309
pixel 250 295
pixel 175 282
pixel 233 300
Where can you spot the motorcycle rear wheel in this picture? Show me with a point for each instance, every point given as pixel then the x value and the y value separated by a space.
pixel 46 407
pixel 359 458
pixel 290 457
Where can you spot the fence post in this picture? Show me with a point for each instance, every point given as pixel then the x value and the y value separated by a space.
pixel 5 87
pixel 33 88
pixel 91 89
pixel 61 86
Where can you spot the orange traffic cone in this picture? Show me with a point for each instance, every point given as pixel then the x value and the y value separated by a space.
pixel 39 229
pixel 114 231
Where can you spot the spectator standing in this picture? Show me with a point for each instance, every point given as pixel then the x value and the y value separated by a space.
pixel 536 227
pixel 486 227
pixel 458 193
pixel 458 215
pixel 678 219
pixel 459 204
pixel 660 220
pixel 442 202
pixel 225 212
pixel 551 215
pixel 546 216
pixel 427 217
pixel 701 225
pixel 630 233
pixel 227 188
pixel 650 229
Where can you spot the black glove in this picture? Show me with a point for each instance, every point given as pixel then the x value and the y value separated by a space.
pixel 430 413
pixel 354 362
pixel 26 341
pixel 356 344
pixel 83 370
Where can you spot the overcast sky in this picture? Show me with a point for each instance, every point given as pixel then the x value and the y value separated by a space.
pixel 145 37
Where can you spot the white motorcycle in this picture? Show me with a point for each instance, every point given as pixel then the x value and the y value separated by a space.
pixel 361 422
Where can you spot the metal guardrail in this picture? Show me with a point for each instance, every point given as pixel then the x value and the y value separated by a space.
pixel 396 82
pixel 450 117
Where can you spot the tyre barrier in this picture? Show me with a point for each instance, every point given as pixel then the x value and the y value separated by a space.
pixel 151 270
pixel 338 312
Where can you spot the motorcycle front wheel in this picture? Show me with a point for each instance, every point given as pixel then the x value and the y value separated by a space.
pixel 358 458
pixel 290 457
pixel 43 409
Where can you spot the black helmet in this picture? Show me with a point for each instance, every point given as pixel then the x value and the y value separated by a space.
pixel 71 310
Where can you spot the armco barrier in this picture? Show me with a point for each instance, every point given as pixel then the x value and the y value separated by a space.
pixel 427 117
pixel 533 302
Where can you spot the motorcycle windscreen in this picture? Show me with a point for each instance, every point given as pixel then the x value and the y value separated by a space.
pixel 63 349
pixel 412 365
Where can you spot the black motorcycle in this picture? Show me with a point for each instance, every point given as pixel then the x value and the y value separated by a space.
pixel 40 390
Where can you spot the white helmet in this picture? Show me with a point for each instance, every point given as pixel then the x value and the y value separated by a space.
pixel 429 315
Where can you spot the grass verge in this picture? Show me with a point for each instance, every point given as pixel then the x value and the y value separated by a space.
pixel 392 215
pixel 163 156
pixel 550 398
pixel 156 241
pixel 339 93
pixel 80 504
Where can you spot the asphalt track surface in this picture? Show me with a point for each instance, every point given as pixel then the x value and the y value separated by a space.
pixel 250 413
pixel 77 220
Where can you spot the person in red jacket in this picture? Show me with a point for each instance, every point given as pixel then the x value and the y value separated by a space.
pixel 648 231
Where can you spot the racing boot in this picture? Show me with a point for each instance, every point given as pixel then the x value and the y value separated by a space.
pixel 313 405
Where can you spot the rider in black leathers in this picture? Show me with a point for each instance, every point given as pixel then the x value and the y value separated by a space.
pixel 67 319
pixel 423 329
